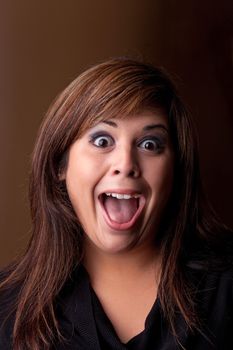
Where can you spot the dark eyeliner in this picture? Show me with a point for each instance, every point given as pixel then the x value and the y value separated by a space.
pixel 159 140
pixel 93 137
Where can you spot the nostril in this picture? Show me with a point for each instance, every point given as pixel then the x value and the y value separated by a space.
pixel 132 173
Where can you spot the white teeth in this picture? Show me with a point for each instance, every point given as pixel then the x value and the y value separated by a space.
pixel 122 196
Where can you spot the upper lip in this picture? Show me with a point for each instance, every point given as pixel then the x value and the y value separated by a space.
pixel 126 191
pixel 122 191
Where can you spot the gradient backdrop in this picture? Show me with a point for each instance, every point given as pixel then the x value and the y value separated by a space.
pixel 46 44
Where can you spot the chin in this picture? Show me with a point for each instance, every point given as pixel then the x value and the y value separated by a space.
pixel 115 246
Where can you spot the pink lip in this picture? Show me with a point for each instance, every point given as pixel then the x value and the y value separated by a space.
pixel 122 191
pixel 126 225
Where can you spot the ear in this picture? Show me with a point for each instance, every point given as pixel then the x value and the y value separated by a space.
pixel 62 178
pixel 62 175
pixel 63 167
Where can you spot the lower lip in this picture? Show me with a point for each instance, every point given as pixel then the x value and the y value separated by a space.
pixel 126 225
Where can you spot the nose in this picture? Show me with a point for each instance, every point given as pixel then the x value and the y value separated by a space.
pixel 126 163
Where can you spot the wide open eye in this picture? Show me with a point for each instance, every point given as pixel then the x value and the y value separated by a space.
pixel 152 144
pixel 102 141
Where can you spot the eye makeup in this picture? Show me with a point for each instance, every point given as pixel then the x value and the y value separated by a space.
pixel 152 143
pixel 105 139
pixel 150 137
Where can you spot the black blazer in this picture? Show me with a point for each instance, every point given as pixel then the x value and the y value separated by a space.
pixel 85 325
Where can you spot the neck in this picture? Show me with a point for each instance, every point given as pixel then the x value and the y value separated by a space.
pixel 121 267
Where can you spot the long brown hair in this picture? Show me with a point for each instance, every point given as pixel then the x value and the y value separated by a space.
pixel 116 87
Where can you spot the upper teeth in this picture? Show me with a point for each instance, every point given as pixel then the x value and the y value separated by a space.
pixel 122 196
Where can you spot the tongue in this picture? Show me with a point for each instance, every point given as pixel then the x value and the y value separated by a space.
pixel 120 210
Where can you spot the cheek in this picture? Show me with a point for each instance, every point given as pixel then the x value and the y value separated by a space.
pixel 78 186
pixel 81 169
pixel 82 175
pixel 160 177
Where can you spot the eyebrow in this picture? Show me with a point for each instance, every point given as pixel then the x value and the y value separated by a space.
pixel 145 128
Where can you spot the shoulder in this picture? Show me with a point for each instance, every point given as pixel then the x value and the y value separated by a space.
pixel 211 275
pixel 213 291
pixel 211 278
pixel 8 297
pixel 220 282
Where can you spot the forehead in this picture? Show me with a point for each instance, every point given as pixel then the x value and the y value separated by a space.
pixel 139 119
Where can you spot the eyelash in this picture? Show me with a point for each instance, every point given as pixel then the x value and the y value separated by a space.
pixel 94 137
pixel 158 142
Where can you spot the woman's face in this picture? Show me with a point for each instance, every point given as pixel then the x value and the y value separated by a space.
pixel 119 178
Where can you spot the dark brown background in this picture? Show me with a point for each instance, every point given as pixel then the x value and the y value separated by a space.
pixel 45 44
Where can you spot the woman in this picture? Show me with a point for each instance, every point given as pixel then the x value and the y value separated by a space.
pixel 125 253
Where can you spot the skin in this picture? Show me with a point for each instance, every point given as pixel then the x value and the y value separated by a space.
pixel 122 154
pixel 121 162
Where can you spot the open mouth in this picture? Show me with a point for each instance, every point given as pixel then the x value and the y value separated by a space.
pixel 121 210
